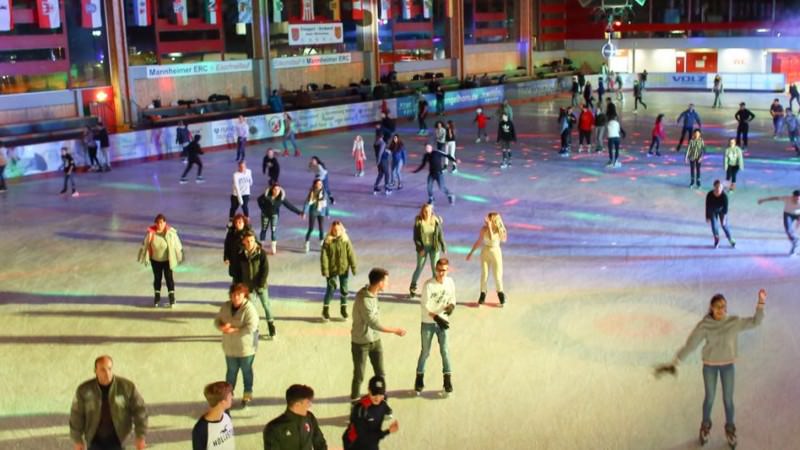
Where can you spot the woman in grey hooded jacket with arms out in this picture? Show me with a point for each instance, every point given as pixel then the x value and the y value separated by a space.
pixel 720 333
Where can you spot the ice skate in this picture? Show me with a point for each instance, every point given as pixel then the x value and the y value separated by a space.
pixel 502 297
pixel 419 384
pixel 730 435
pixel 705 429
pixel 306 247
pixel 448 385
pixel 326 316
pixel 343 311
pixel 271 329
pixel 274 247
pixel 482 298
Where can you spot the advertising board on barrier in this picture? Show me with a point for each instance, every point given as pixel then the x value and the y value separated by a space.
pixel 471 98
pixel 532 89
pixel 316 33
pixel 200 68
pixel 341 115
pixel 259 127
pixel 310 61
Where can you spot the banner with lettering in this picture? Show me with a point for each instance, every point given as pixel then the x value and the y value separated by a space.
pixel 211 11
pixel 91 14
pixel 180 12
pixel 141 13
pixel 48 13
pixel 6 18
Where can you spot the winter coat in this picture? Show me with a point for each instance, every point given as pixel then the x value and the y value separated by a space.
pixel 271 206
pixel 244 341
pixel 271 167
pixel 481 119
pixel 438 236
pixel 505 131
pixel 658 130
pixel 733 157
pixel 251 269
pixel 316 204
pixel 689 117
pixel 337 256
pixel 586 121
pixel 233 242
pixel 174 247
pixel 290 431
pixel 126 404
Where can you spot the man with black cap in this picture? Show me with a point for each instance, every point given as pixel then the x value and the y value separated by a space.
pixel 366 419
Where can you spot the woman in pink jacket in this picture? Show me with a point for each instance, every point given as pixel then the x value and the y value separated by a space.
pixel 657 136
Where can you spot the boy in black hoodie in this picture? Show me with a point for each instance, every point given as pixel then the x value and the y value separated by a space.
pixel 366 419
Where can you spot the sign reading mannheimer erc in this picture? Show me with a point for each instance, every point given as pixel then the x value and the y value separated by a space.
pixel 200 68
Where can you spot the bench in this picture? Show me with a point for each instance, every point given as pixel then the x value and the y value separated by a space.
pixel 27 133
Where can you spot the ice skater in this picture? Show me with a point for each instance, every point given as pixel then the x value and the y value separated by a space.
pixel 450 144
pixel 566 120
pixel 585 125
pixel 251 268
pixel 101 135
pixel 270 203
pixel 481 121
pixel 695 152
pixel 434 160
pixel 576 91
pixel 242 182
pixel 428 243
pixel 618 88
pixel 214 429
pixel 315 208
pixel 237 319
pixel 163 251
pixel 317 167
pixel 234 236
pixel 777 113
pixel 358 155
pixel 615 135
pixel 183 137
pixel 422 115
pixel 384 159
pixel 91 150
pixel 719 333
pixel 398 150
pixel 337 260
pixel 68 166
pixel 242 130
pixel 193 152
pixel 289 134
pixel 637 96
pixel 440 135
pixel 587 95
pixel 271 167
pixel 601 90
pixel 717 213
pixel 506 135
pixel 365 430
pixel 492 234
pixel 743 118
pixel 794 94
pixel 792 129
pixel 3 161
pixel 791 217
pixel 717 90
pixel 600 122
pixel 437 304
pixel 656 136
pixel 690 118
pixel 733 162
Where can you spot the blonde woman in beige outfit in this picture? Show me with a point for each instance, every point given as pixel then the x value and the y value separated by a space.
pixel 492 234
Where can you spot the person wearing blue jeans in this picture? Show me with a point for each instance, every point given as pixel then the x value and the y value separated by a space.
pixel 435 162
pixel 437 304
pixel 289 131
pixel 717 213
pixel 791 216
pixel 428 242
pixel 720 333
pixel 690 118
pixel 237 319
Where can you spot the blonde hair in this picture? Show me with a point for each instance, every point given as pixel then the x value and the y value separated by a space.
pixel 420 217
pixel 496 225
pixel 343 235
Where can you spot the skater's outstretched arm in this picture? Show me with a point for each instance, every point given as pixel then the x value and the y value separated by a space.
pixel 745 323
pixel 425 160
pixel 771 199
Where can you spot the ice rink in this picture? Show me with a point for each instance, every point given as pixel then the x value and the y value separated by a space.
pixel 606 270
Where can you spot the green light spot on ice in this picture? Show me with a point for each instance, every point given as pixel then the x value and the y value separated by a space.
pixel 783 162
pixel 475 198
pixel 131 187
pixel 62 294
pixel 185 268
pixel 458 249
pixel 589 217
pixel 593 172
pixel 340 213
pixel 470 176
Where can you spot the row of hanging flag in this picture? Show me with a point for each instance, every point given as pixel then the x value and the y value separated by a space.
pixel 48 12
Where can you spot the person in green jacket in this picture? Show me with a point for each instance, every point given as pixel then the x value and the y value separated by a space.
pixel 237 319
pixel 733 161
pixel 296 428
pixel 251 268
pixel 336 260
pixel 428 241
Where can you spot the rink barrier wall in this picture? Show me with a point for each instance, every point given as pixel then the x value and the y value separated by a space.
pixel 158 143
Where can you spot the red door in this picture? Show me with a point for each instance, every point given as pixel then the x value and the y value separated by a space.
pixel 680 64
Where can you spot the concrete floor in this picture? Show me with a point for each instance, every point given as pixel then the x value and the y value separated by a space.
pixel 607 271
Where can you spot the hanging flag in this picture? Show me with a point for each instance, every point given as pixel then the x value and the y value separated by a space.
pixel 336 10
pixel 277 11
pixel 6 19
pixel 245 8
pixel 180 11
pixel 407 6
pixel 141 13
pixel 49 13
pixel 91 16
pixel 211 12
pixel 386 9
pixel 308 10
pixel 358 11
pixel 427 7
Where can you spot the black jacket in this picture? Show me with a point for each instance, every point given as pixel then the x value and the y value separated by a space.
pixel 193 150
pixel 364 431
pixel 101 134
pixel 252 270
pixel 744 116
pixel 716 205
pixel 271 165
pixel 435 161
pixel 292 432
pixel 505 131
pixel 272 206
pixel 233 245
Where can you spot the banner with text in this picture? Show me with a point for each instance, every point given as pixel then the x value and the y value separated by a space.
pixel 310 61
pixel 316 34
pixel 201 68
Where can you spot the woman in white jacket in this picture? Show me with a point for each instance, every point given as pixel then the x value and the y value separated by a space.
pixel 162 249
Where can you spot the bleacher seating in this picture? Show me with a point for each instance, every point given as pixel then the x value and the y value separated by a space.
pixel 26 133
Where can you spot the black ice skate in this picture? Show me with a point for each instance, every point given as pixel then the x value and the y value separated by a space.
pixel 419 384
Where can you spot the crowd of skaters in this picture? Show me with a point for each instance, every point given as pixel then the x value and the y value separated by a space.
pixel 248 267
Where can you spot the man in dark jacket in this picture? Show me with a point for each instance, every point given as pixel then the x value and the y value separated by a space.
pixel 251 268
pixel 365 430
pixel 435 161
pixel 743 116
pixel 271 167
pixel 193 152
pixel 689 118
pixel 297 428
pixel 101 134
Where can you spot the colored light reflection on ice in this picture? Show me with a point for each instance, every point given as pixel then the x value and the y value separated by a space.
pixel 525 226
pixel 767 264
pixel 589 171
pixel 782 162
pixel 617 199
pixel 470 176
pixel 186 268
pixel 458 249
pixel 340 213
pixel 511 202
pixel 587 216
pixel 475 198
pixel 131 187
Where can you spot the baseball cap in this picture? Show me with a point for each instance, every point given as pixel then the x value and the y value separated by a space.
pixel 377 385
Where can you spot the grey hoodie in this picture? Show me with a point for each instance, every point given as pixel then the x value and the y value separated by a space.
pixel 720 337
pixel 366 321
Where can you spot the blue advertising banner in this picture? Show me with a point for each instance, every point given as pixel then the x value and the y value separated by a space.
pixel 472 98
pixel 532 89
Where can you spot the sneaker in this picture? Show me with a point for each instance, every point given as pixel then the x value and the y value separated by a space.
pixel 271 330
pixel 200 180
pixel 183 181
pixel 649 154
pixel 247 399
pixel 716 242
pixel 376 191
pixel 419 383
pixel 691 185
pixel 75 193
pixel 482 298
pixel 617 164
pixel 451 199
pixel 503 165
pixel 412 292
